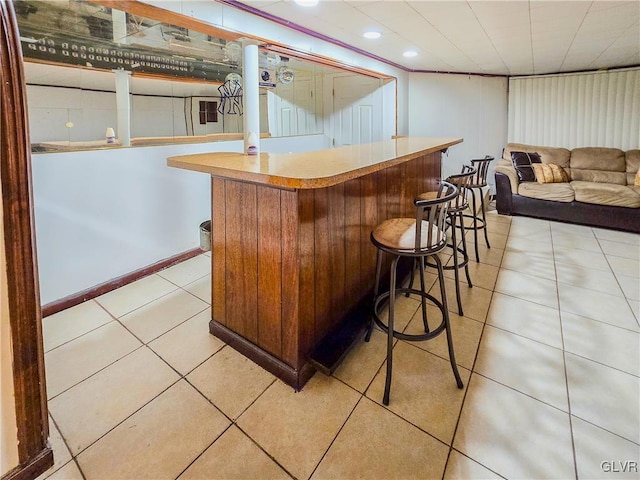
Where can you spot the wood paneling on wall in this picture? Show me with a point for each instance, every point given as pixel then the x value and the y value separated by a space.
pixel 289 265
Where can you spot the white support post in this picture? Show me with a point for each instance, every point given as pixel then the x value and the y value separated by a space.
pixel 250 96
pixel 123 106
pixel 119 19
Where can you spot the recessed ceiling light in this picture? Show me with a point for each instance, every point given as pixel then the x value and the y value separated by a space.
pixel 410 53
pixel 307 3
pixel 372 35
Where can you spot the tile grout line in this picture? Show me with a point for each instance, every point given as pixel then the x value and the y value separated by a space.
pixel 96 372
pixel 143 344
pixel 400 417
pixel 181 377
pixel 233 422
pixel 363 394
pixel 566 373
pixel 85 333
pixel 144 304
pixel 337 433
pixel 203 451
pixel 271 457
pixel 124 420
pixel 628 300
pixel 473 366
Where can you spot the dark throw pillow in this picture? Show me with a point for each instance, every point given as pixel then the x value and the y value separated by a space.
pixel 522 163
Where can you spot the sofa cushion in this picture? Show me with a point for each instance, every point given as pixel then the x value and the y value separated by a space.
pixel 559 156
pixel 549 173
pixel 559 192
pixel 598 176
pixel 598 164
pixel 522 162
pixel 606 194
pixel 632 158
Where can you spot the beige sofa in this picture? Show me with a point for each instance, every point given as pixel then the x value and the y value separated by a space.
pixel 600 191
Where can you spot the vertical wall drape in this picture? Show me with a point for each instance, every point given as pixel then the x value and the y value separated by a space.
pixel 599 109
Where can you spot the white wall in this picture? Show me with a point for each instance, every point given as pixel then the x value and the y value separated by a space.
pixel 104 213
pixel 50 108
pixel 153 116
pixel 471 107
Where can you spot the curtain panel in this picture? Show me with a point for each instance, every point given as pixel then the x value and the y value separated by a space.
pixel 597 109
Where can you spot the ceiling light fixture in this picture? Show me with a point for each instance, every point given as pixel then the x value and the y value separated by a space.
pixel 410 53
pixel 307 3
pixel 372 35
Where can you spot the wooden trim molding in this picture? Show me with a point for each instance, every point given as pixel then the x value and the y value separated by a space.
pixel 34 468
pixel 180 20
pixel 106 287
pixel 22 276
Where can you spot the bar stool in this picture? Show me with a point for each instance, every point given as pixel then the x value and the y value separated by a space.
pixel 455 221
pixel 420 237
pixel 477 183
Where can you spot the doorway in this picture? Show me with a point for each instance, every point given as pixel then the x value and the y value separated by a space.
pixel 357 110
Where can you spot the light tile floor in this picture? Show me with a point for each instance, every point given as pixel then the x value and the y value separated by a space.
pixel 548 351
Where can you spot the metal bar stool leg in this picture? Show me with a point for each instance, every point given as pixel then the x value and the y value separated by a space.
pixel 464 247
pixel 484 220
pixel 376 287
pixel 475 223
pixel 455 263
pixel 447 324
pixel 413 274
pixel 424 301
pixel 392 301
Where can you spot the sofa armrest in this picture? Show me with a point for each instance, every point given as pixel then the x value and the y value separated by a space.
pixel 504 200
pixel 511 174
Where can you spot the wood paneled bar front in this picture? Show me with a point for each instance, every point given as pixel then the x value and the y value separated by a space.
pixel 291 258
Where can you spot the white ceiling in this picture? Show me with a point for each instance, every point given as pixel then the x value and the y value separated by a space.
pixel 509 37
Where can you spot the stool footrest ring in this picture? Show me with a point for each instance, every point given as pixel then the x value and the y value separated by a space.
pixel 481 222
pixel 461 264
pixel 405 336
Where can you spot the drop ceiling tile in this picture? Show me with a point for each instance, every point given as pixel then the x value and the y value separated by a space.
pixel 333 9
pixel 623 12
pixel 570 14
pixel 386 10
pixel 494 16
pixel 487 33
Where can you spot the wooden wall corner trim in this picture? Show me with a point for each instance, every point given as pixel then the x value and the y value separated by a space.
pixel 32 469
pixel 22 276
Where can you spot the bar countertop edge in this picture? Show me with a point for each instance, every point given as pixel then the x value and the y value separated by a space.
pixel 318 169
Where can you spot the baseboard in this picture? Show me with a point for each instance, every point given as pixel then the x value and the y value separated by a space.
pixel 93 292
pixel 295 378
pixel 34 468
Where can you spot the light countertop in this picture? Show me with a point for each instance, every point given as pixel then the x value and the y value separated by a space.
pixel 319 169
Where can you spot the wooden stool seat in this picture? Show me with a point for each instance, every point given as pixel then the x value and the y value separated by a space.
pixel 400 234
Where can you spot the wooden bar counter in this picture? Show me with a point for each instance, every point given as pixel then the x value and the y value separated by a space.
pixel 291 257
